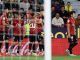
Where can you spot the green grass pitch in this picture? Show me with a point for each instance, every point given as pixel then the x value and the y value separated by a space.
pixel 22 58
pixel 41 58
pixel 66 58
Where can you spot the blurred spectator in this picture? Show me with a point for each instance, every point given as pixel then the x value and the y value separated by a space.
pixel 64 14
pixel 40 1
pixel 25 5
pixel 7 5
pixel 62 2
pixel 52 1
pixel 78 21
pixel 57 6
pixel 53 11
pixel 1 7
pixel 12 4
pixel 68 7
pixel 32 1
pixel 15 5
pixel 57 21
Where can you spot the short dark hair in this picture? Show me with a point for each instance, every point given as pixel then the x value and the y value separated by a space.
pixel 72 12
pixel 68 2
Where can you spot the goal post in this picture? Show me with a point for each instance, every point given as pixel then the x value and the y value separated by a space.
pixel 47 29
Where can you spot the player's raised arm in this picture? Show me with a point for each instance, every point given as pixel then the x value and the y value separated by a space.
pixel 68 28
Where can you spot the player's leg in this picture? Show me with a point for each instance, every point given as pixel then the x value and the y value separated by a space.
pixel 20 38
pixel 72 44
pixel 29 52
pixel 1 40
pixel 41 45
pixel 30 44
pixel 70 48
pixel 6 42
pixel 14 43
pixel 39 41
pixel 75 40
pixel 35 43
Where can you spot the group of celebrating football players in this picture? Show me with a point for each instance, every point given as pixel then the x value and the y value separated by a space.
pixel 18 28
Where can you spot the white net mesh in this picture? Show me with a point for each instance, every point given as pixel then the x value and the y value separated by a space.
pixel 21 29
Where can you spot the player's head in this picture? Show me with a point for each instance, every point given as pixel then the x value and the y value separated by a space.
pixel 72 14
pixel 78 16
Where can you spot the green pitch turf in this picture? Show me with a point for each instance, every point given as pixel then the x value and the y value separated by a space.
pixel 66 58
pixel 22 58
pixel 40 58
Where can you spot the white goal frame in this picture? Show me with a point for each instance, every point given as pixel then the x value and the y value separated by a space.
pixel 47 29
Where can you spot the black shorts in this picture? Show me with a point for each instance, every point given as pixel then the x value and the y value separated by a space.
pixel 3 36
pixel 72 39
pixel 6 37
pixel 18 38
pixel 40 38
pixel 26 36
pixel 33 38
